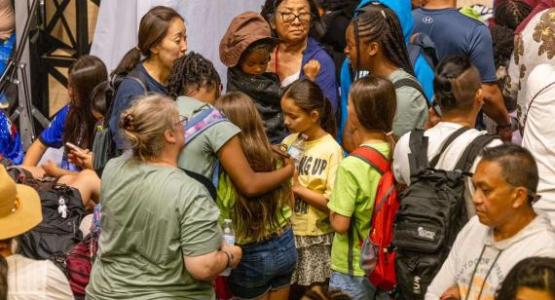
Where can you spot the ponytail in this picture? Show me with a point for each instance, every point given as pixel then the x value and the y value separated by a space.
pixel 129 61
pixel 309 97
pixel 3 278
pixel 327 119
pixel 152 30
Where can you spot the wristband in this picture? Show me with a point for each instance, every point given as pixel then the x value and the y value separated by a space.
pixel 229 258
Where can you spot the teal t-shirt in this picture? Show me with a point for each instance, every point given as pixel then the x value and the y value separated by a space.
pixel 152 216
pixel 353 196
pixel 200 154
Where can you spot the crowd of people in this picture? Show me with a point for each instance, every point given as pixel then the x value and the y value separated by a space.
pixel 282 187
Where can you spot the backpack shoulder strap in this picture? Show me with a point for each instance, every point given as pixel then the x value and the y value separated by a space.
pixel 140 78
pixel 418 156
pixel 200 119
pixel 472 151
pixel 373 157
pixel 205 182
pixel 450 139
pixel 412 83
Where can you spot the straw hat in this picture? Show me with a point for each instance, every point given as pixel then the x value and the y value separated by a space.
pixel 20 208
pixel 244 30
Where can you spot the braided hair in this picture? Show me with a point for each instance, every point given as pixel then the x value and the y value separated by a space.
pixel 191 72
pixel 510 13
pixel 377 23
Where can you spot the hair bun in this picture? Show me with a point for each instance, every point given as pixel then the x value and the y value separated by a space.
pixel 128 122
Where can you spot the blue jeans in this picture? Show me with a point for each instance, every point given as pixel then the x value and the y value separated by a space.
pixel 265 266
pixel 357 287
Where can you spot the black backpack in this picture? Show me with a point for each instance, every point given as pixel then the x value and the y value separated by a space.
pixel 431 213
pixel 62 212
pixel 104 147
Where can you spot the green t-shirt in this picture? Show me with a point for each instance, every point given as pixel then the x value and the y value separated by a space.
pixel 226 204
pixel 412 109
pixel 152 216
pixel 199 155
pixel 353 196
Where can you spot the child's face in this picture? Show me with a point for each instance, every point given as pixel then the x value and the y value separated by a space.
pixel 295 118
pixel 256 62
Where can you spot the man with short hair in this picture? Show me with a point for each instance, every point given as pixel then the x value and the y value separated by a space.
pixel 505 230
pixel 456 34
pixel 459 97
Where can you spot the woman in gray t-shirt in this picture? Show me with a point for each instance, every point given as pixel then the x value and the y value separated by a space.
pixel 160 234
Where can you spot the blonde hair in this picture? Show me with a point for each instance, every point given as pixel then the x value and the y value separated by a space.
pixel 145 122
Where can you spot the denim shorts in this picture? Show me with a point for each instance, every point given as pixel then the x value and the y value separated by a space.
pixel 265 266
pixel 357 287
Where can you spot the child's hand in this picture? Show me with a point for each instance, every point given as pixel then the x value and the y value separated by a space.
pixel 311 69
pixel 37 172
pixel 51 169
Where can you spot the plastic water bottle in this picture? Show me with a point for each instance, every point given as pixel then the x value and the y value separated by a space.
pixel 229 238
pixel 296 149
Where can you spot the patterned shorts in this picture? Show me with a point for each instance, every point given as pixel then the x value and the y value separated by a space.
pixel 313 262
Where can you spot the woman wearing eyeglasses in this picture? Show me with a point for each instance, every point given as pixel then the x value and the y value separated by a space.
pixel 160 234
pixel 291 21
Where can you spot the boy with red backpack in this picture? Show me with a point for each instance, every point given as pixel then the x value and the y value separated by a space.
pixel 363 188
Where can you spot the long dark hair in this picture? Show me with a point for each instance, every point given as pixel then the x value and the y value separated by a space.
pixel 190 72
pixel 308 96
pixel 377 23
pixel 537 273
pixel 374 101
pixel 84 75
pixel 254 217
pixel 152 30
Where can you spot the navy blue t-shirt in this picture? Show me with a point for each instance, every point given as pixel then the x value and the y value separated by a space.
pixel 454 33
pixel 129 90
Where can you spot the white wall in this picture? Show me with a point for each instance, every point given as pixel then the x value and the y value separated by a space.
pixel 207 21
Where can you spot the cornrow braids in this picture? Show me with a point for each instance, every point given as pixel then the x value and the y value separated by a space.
pixel 510 13
pixel 377 23
pixel 192 71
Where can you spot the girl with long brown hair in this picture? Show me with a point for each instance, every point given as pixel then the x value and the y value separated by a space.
pixel 75 122
pixel 308 116
pixel 261 223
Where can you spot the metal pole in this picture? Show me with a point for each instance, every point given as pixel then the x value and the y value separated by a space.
pixel 23 13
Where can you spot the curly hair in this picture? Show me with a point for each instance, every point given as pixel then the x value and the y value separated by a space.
pixel 191 72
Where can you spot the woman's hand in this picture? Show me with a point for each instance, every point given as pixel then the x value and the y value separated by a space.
pixel 311 69
pixel 83 158
pixel 236 251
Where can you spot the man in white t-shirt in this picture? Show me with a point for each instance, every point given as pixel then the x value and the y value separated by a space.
pixel 539 133
pixel 459 96
pixel 504 231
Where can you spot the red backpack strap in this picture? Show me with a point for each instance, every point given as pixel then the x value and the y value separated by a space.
pixel 373 157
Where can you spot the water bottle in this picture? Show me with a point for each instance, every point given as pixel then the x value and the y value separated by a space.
pixel 229 238
pixel 296 149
